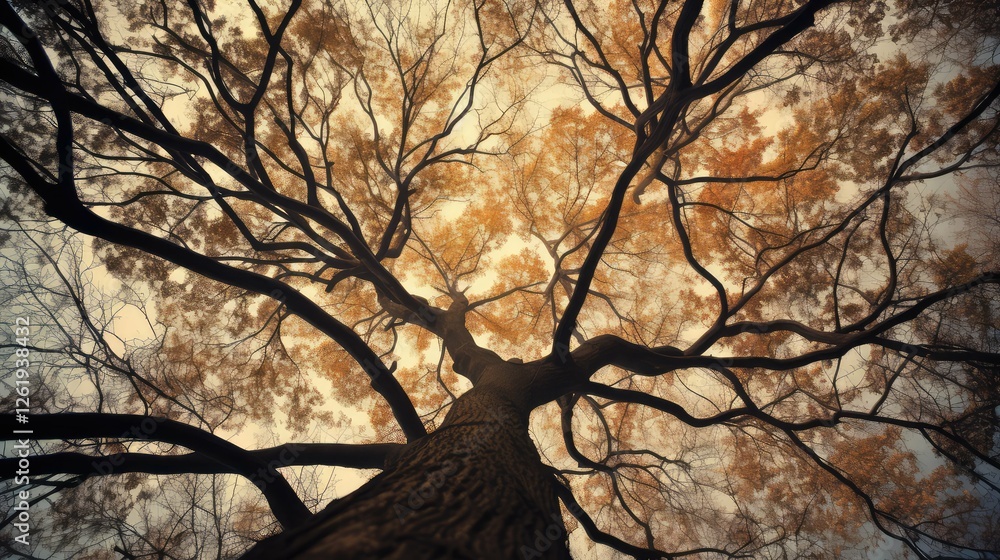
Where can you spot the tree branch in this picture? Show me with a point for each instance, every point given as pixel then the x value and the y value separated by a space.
pixel 355 456
pixel 286 505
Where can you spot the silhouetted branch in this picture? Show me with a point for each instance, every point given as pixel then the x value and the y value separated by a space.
pixel 355 456
pixel 286 505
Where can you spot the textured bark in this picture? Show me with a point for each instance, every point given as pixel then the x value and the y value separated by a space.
pixel 475 488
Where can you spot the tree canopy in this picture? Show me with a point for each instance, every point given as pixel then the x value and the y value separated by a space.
pixel 737 259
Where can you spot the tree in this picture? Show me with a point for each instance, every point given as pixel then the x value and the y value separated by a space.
pixel 671 278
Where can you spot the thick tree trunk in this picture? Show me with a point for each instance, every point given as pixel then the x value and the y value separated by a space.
pixel 475 488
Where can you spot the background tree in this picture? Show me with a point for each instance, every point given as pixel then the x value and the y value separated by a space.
pixel 653 279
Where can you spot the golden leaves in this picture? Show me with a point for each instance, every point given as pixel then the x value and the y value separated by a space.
pixel 573 167
pixel 896 481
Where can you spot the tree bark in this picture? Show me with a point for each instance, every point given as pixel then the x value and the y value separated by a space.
pixel 475 488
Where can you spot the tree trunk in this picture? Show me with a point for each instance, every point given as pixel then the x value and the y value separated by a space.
pixel 475 488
